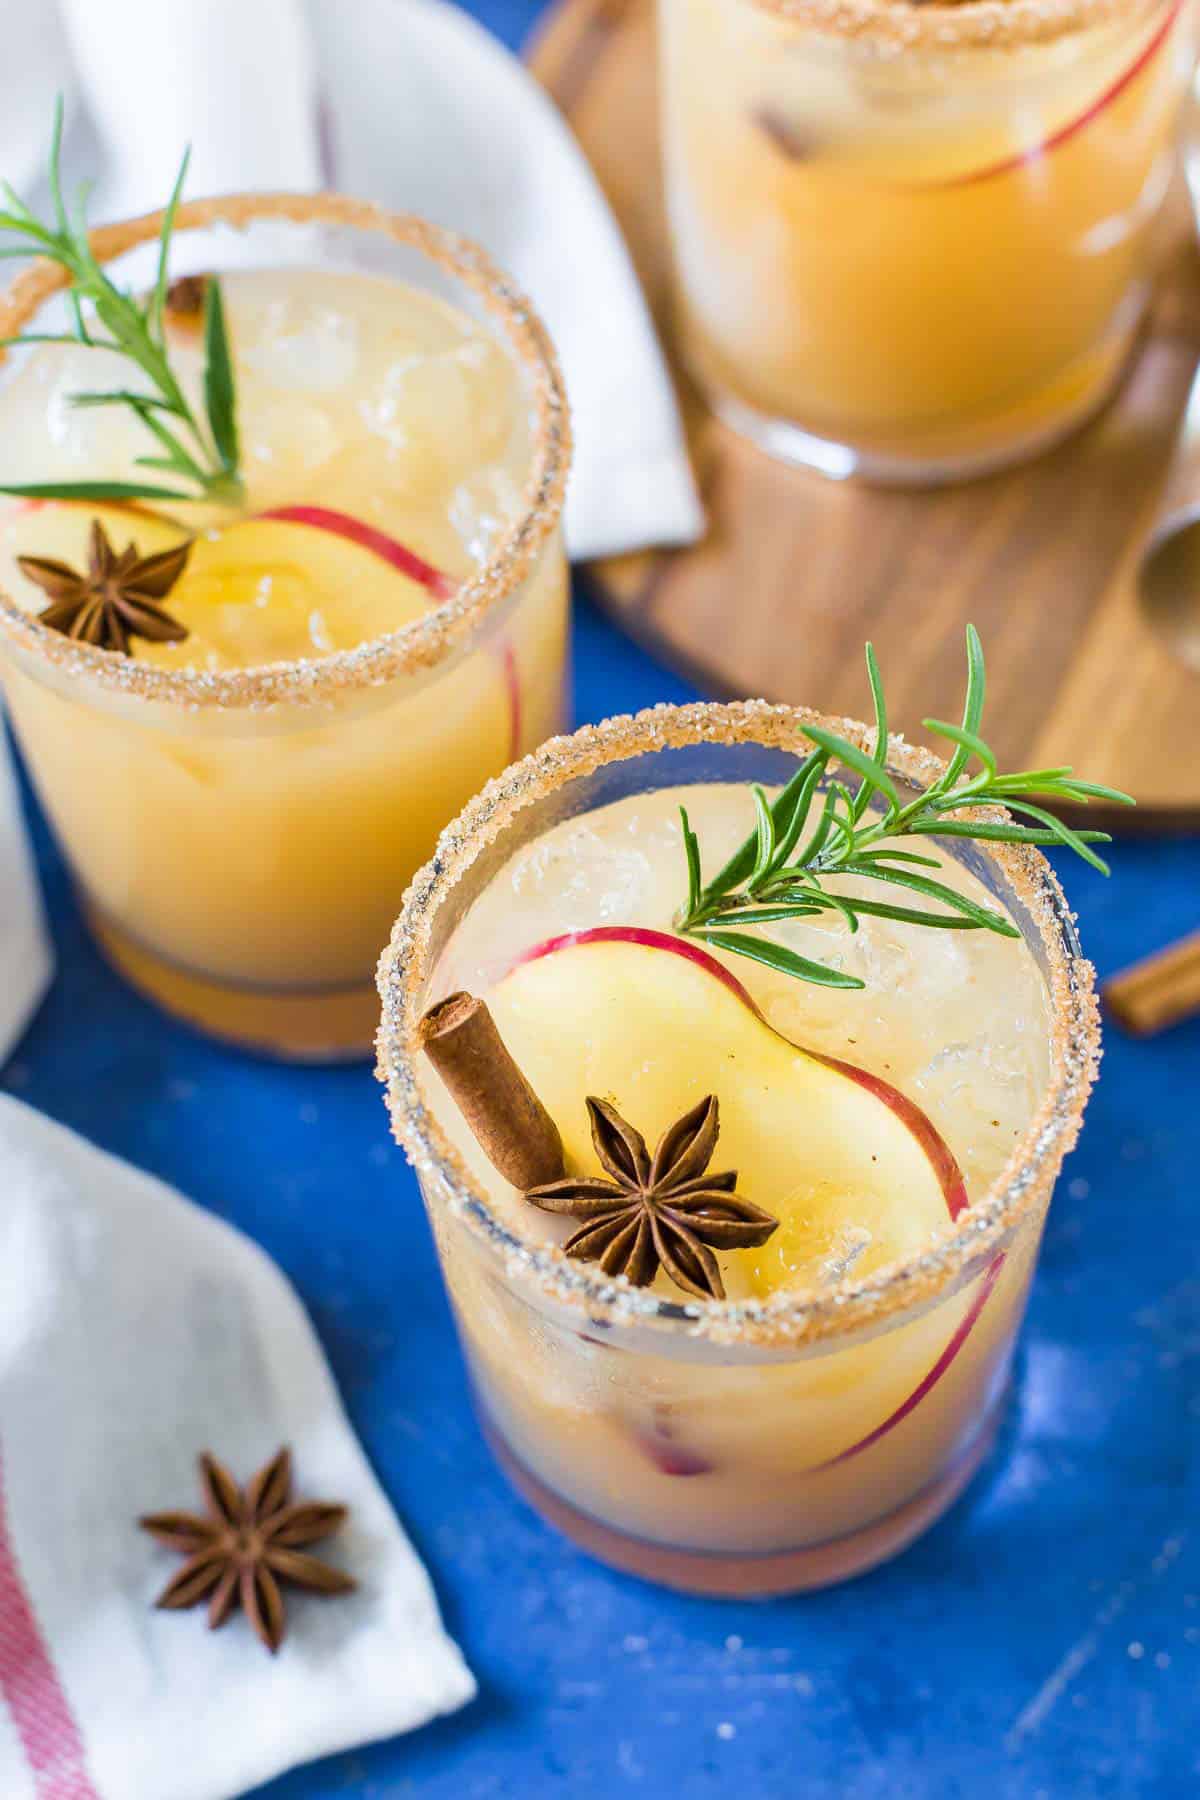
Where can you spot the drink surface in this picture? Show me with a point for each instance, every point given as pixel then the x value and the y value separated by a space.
pixel 955 1020
pixel 390 410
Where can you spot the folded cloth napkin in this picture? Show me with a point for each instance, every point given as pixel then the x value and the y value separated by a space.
pixel 135 1330
pixel 414 105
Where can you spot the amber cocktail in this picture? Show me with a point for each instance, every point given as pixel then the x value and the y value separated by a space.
pixel 375 625
pixel 916 242
pixel 745 1407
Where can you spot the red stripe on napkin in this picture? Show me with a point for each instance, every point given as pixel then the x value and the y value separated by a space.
pixel 32 1691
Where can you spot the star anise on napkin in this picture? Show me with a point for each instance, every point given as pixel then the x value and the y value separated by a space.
pixel 116 598
pixel 246 1543
pixel 657 1211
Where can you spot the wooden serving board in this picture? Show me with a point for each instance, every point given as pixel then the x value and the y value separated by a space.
pixel 797 571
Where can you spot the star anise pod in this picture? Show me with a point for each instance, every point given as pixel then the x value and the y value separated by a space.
pixel 116 599
pixel 657 1211
pixel 245 1544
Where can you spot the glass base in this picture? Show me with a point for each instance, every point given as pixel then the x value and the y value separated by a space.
pixel 983 448
pixel 320 1026
pixel 746 1575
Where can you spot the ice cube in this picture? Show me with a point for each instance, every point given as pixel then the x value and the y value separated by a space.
pixel 446 413
pixel 289 432
pixel 482 508
pixel 579 879
pixel 909 960
pixel 107 437
pixel 306 348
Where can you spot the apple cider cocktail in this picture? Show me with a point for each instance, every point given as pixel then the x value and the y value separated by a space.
pixel 256 663
pixel 916 242
pixel 737 1061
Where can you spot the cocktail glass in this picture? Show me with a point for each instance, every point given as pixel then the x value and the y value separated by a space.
pixel 241 835
pixel 795 1432
pixel 916 243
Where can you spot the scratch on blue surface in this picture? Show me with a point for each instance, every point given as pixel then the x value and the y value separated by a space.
pixel 1074 1660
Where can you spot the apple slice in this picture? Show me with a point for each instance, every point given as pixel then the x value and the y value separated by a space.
pixel 270 590
pixel 271 587
pixel 817 1141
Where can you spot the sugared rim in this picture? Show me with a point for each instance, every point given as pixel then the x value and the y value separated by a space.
pixel 899 25
pixel 786 1319
pixel 427 641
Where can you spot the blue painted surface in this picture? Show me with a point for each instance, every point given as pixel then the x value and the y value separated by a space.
pixel 1042 1642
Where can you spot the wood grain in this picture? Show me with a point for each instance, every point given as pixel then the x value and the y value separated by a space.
pixel 796 571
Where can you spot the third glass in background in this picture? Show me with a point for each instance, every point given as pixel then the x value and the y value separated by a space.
pixel 916 244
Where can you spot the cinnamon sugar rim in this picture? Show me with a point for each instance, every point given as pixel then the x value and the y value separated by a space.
pixel 428 641
pixel 898 25
pixel 795 1317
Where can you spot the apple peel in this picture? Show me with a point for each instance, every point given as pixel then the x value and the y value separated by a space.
pixel 1036 152
pixel 392 551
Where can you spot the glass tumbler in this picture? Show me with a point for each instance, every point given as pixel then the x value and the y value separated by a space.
pixel 241 838
pixel 915 242
pixel 734 1447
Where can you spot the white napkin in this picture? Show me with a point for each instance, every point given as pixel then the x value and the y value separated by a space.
pixel 412 104
pixel 136 1329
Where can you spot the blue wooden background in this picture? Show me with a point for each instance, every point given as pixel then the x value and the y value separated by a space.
pixel 1042 1642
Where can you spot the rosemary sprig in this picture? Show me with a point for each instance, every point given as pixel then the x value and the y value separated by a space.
pixel 201 455
pixel 818 828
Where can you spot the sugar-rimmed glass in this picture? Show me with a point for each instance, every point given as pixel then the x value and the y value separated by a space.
pixel 594 1393
pixel 241 836
pixel 910 242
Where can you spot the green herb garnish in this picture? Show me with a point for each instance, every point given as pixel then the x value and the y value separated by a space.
pixel 802 843
pixel 202 455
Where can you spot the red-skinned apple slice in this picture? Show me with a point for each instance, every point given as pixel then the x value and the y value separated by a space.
pixel 518 1009
pixel 63 526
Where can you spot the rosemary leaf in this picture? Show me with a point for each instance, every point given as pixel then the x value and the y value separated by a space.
pixel 90 490
pixel 156 305
pixel 800 803
pixel 874 778
pixel 764 915
pixel 982 916
pixel 778 956
pixel 898 856
pixel 765 846
pixel 691 849
pixel 993 833
pixel 863 796
pixel 1072 840
pixel 966 740
pixel 218 379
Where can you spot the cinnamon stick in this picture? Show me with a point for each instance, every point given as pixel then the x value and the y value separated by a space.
pixel 515 1132
pixel 1160 991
